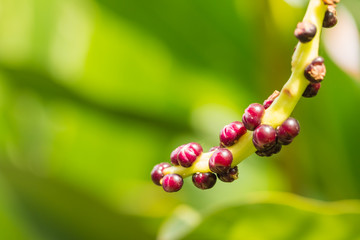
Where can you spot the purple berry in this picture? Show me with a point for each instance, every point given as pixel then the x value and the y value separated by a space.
pixel 174 155
pixel 253 115
pixel 330 18
pixel 204 180
pixel 287 131
pixel 188 154
pixel 315 71
pixel 157 172
pixel 305 31
pixel 172 182
pixel 271 99
pixel 268 152
pixel 264 137
pixel 220 161
pixel 231 133
pixel 230 175
pixel 311 90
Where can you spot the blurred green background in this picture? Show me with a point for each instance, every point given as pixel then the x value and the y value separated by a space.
pixel 94 93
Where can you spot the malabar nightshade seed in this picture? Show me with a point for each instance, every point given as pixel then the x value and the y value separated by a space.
pixel 157 172
pixel 305 31
pixel 264 137
pixel 253 115
pixel 172 182
pixel 220 161
pixel 231 175
pixel 315 71
pixel 188 154
pixel 287 131
pixel 311 90
pixel 204 180
pixel 231 133
pixel 330 18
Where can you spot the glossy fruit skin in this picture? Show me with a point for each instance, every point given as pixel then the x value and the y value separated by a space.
pixel 214 148
pixel 287 131
pixel 315 71
pixel 231 133
pixel 264 137
pixel 220 161
pixel 253 115
pixel 330 18
pixel 204 180
pixel 174 155
pixel 231 175
pixel 172 182
pixel 188 154
pixel 268 152
pixel 157 172
pixel 311 90
pixel 305 31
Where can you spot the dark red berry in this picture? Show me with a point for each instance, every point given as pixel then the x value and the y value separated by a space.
pixel 330 18
pixel 305 31
pixel 220 161
pixel 188 154
pixel 315 71
pixel 264 137
pixel 172 182
pixel 231 133
pixel 174 155
pixel 157 172
pixel 271 99
pixel 204 180
pixel 287 131
pixel 253 115
pixel 268 152
pixel 311 90
pixel 230 175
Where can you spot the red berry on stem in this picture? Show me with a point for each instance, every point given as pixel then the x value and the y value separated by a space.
pixel 264 137
pixel 230 175
pixel 220 161
pixel 330 18
pixel 188 154
pixel 311 90
pixel 157 172
pixel 204 180
pixel 315 71
pixel 231 133
pixel 174 155
pixel 253 115
pixel 287 131
pixel 172 182
pixel 305 31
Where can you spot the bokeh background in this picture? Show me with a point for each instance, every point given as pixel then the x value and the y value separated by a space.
pixel 94 93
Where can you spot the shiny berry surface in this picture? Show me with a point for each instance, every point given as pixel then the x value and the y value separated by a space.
pixel 174 155
pixel 220 161
pixel 305 31
pixel 330 19
pixel 204 180
pixel 253 115
pixel 311 90
pixel 188 154
pixel 231 175
pixel 157 172
pixel 231 133
pixel 264 137
pixel 287 131
pixel 172 182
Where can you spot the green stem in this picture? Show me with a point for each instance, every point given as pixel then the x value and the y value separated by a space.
pixel 283 105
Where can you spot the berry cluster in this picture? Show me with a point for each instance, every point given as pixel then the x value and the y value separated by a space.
pixel 268 139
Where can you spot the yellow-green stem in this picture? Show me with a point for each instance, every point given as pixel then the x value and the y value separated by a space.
pixel 283 105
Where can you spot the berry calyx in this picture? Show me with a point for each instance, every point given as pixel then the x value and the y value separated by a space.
pixel 204 180
pixel 315 71
pixel 311 90
pixel 330 19
pixel 287 131
pixel 331 2
pixel 264 137
pixel 220 161
pixel 188 154
pixel 305 31
pixel 231 133
pixel 157 172
pixel 172 182
pixel 253 115
pixel 268 152
pixel 271 99
pixel 231 175
pixel 174 155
